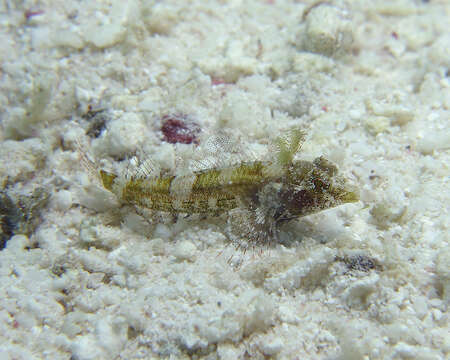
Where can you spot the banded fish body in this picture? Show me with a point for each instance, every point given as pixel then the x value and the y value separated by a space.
pixel 211 191
pixel 258 196
pixel 277 191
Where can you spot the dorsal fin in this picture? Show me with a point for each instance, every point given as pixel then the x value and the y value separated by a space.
pixel 288 145
pixel 219 151
pixel 139 168
pixel 91 166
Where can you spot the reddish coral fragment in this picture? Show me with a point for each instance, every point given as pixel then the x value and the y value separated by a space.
pixel 176 128
pixel 217 81
pixel 30 13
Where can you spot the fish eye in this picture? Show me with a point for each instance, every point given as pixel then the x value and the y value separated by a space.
pixel 325 165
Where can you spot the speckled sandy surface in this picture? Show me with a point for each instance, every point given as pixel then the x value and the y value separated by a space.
pixel 369 82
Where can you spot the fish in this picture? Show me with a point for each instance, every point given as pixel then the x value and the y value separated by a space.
pixel 257 197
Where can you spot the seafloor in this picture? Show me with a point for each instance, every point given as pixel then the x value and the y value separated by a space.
pixel 83 277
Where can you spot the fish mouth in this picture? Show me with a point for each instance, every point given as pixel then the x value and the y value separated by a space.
pixel 350 194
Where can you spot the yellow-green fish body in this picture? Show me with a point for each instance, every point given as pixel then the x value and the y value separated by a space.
pixel 259 195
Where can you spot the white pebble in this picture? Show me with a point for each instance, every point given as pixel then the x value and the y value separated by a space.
pixel 17 243
pixel 327 31
pixel 158 247
pixel 123 136
pixel 86 348
pixel 63 200
pixel 112 334
pixel 185 250
pixel 434 140
pixel 272 347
